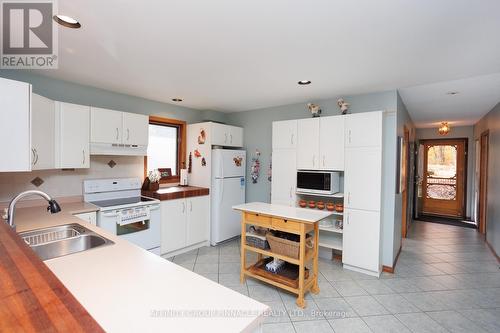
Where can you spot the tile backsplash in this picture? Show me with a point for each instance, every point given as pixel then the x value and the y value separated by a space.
pixel 65 183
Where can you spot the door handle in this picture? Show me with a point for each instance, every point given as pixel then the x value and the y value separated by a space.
pixel 117 133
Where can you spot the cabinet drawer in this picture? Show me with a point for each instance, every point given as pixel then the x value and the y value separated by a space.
pixel 259 220
pixel 286 225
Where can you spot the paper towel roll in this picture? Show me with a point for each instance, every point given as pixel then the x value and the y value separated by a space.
pixel 184 177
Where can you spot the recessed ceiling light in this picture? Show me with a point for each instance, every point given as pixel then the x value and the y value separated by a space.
pixel 67 21
pixel 176 99
pixel 452 93
pixel 304 82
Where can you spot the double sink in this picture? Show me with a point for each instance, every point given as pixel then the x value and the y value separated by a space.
pixel 54 242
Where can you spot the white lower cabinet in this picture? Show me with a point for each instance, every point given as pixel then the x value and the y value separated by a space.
pixel 90 217
pixel 184 222
pixel 284 180
pixel 361 240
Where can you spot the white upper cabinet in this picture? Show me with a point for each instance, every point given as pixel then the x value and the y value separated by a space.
pixel 363 129
pixel 285 134
pixel 308 144
pixel 43 133
pixel 72 135
pixel 226 135
pixel 284 180
pixel 15 126
pixel 135 129
pixel 331 143
pixel 106 126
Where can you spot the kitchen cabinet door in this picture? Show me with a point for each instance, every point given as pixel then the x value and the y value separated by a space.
pixel 361 239
pixel 135 129
pixel 331 143
pixel 308 144
pixel 285 134
pixel 364 129
pixel 43 131
pixel 284 179
pixel 235 138
pixel 15 126
pixel 106 126
pixel 363 178
pixel 198 212
pixel 220 135
pixel 72 136
pixel 173 225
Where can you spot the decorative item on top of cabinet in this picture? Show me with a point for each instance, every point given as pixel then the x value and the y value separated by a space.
pixel 255 168
pixel 203 161
pixel 343 105
pixel 314 109
pixel 202 137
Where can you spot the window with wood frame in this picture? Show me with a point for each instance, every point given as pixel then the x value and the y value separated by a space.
pixel 166 148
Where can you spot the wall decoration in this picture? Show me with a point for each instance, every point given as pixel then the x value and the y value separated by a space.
pixel 255 168
pixel 203 161
pixel 37 181
pixel 343 105
pixel 202 137
pixel 237 161
pixel 314 109
pixel 190 162
pixel 270 171
pixel 197 153
pixel 165 173
pixel 111 164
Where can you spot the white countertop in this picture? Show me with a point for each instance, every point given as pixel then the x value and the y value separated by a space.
pixel 285 212
pixel 121 285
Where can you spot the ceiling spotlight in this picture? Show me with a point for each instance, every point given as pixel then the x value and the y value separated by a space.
pixel 176 99
pixel 452 93
pixel 444 129
pixel 304 82
pixel 67 21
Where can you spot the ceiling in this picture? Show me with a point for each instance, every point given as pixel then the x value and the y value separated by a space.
pixel 231 55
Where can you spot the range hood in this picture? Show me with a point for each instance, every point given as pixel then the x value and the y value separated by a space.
pixel 118 149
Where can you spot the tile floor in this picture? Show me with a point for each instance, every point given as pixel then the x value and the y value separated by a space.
pixel 446 280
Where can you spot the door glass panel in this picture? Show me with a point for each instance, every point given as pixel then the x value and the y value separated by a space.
pixel 442 172
pixel 132 227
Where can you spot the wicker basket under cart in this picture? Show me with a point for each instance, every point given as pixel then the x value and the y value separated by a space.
pixel 256 237
pixel 285 244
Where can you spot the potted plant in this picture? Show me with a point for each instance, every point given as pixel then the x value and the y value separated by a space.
pixel 153 180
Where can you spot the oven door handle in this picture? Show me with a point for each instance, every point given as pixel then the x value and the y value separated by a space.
pixel 112 214
pixel 128 222
pixel 155 207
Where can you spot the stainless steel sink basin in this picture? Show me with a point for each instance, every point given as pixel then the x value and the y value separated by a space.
pixel 49 243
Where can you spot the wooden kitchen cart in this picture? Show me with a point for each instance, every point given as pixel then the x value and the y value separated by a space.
pixel 298 221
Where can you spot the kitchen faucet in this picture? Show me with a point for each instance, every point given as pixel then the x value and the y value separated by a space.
pixel 53 205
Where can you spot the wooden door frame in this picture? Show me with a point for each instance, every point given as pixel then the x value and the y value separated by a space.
pixel 463 207
pixel 404 192
pixel 483 181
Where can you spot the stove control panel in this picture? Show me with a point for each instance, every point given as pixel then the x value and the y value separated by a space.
pixel 133 214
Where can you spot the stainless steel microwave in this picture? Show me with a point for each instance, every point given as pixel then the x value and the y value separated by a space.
pixel 318 182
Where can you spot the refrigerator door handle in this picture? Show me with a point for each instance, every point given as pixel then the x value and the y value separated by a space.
pixel 221 191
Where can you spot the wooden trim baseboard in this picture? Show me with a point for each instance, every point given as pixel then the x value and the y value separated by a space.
pixel 388 269
pixel 492 250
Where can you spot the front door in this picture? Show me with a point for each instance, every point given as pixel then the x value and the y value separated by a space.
pixel 443 186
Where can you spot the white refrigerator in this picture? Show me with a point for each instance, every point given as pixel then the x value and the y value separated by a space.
pixel 228 189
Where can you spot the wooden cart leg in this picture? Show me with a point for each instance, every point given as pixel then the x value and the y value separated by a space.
pixel 243 250
pixel 315 286
pixel 302 260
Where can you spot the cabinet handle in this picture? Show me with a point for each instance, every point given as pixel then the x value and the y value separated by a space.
pixel 349 198
pixel 183 207
pixel 323 160
pixel 128 134
pixel 313 161
pixel 231 138
pixel 291 139
pixel 225 137
pixel 190 206
pixel 35 156
pixel 350 136
pixel 290 192
pixel 83 154
pixel 347 218
pixel 117 133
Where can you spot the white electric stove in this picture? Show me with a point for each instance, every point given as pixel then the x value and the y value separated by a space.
pixel 124 212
